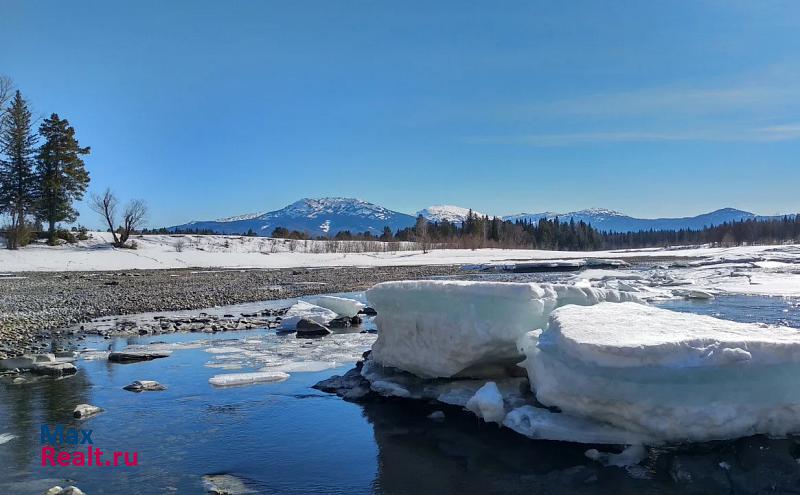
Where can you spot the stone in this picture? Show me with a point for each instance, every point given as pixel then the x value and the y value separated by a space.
pixel 144 386
pixel 136 356
pixel 340 322
pixel 70 490
pixel 310 328
pixel 55 369
pixel 83 411
pixel 225 484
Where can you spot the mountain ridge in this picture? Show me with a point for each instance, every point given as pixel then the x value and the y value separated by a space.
pixel 327 216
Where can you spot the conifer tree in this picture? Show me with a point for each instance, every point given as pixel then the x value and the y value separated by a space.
pixel 62 176
pixel 18 187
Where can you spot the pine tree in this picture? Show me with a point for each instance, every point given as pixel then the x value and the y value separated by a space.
pixel 18 188
pixel 62 175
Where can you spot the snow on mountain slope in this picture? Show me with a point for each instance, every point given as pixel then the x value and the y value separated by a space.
pixel 321 216
pixel 327 216
pixel 450 213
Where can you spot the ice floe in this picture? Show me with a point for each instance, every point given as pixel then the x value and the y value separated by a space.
pixel 231 379
pixel 487 403
pixel 439 328
pixel 303 309
pixel 668 376
pixel 342 306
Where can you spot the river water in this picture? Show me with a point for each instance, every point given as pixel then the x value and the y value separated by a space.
pixel 289 438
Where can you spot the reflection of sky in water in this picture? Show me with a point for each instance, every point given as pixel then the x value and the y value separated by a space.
pixel 288 438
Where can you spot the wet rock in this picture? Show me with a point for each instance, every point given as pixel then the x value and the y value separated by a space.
pixel 70 490
pixel 225 484
pixel 368 311
pixel 144 386
pixel 699 474
pixel 83 411
pixel 136 356
pixel 341 322
pixel 764 465
pixel 55 369
pixel 351 386
pixel 310 328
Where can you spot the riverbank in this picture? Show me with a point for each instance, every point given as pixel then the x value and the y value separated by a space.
pixel 34 303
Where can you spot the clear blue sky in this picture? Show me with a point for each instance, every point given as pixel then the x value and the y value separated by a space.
pixel 210 108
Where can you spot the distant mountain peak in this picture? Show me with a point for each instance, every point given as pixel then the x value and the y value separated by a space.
pixel 597 211
pixel 317 216
pixel 450 213
pixel 246 216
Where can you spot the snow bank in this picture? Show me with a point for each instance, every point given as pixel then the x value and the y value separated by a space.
pixel 447 328
pixel 306 310
pixel 340 305
pixel 247 378
pixel 666 375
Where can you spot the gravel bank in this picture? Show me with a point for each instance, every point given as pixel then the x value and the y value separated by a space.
pixel 33 303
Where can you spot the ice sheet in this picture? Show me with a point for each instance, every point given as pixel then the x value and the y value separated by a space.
pixel 247 378
pixel 340 305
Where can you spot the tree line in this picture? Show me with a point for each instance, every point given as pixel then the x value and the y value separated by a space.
pixel 566 235
pixel 476 232
pixel 752 231
pixel 42 172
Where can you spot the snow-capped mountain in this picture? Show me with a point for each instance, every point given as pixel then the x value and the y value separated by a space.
pixel 440 213
pixel 321 216
pixel 328 216
pixel 614 221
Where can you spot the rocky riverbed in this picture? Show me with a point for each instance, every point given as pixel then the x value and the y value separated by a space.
pixel 35 304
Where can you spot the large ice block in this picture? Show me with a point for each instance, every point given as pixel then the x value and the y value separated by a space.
pixel 443 328
pixel 670 376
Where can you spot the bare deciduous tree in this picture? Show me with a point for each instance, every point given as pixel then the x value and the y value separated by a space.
pixel 6 89
pixel 133 216
pixel 106 207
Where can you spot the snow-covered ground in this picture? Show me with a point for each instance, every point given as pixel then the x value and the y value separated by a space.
pixel 188 251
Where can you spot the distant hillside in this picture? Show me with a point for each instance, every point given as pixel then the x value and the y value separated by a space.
pixel 614 221
pixel 318 217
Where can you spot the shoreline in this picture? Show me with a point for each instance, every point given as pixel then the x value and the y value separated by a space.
pixel 34 304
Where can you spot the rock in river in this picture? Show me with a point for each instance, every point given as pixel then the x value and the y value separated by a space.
pixel 144 386
pixel 310 328
pixel 136 356
pixel 83 411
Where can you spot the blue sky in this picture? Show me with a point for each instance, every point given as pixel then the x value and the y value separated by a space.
pixel 209 109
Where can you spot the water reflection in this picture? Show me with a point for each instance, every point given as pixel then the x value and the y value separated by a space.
pixel 27 406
